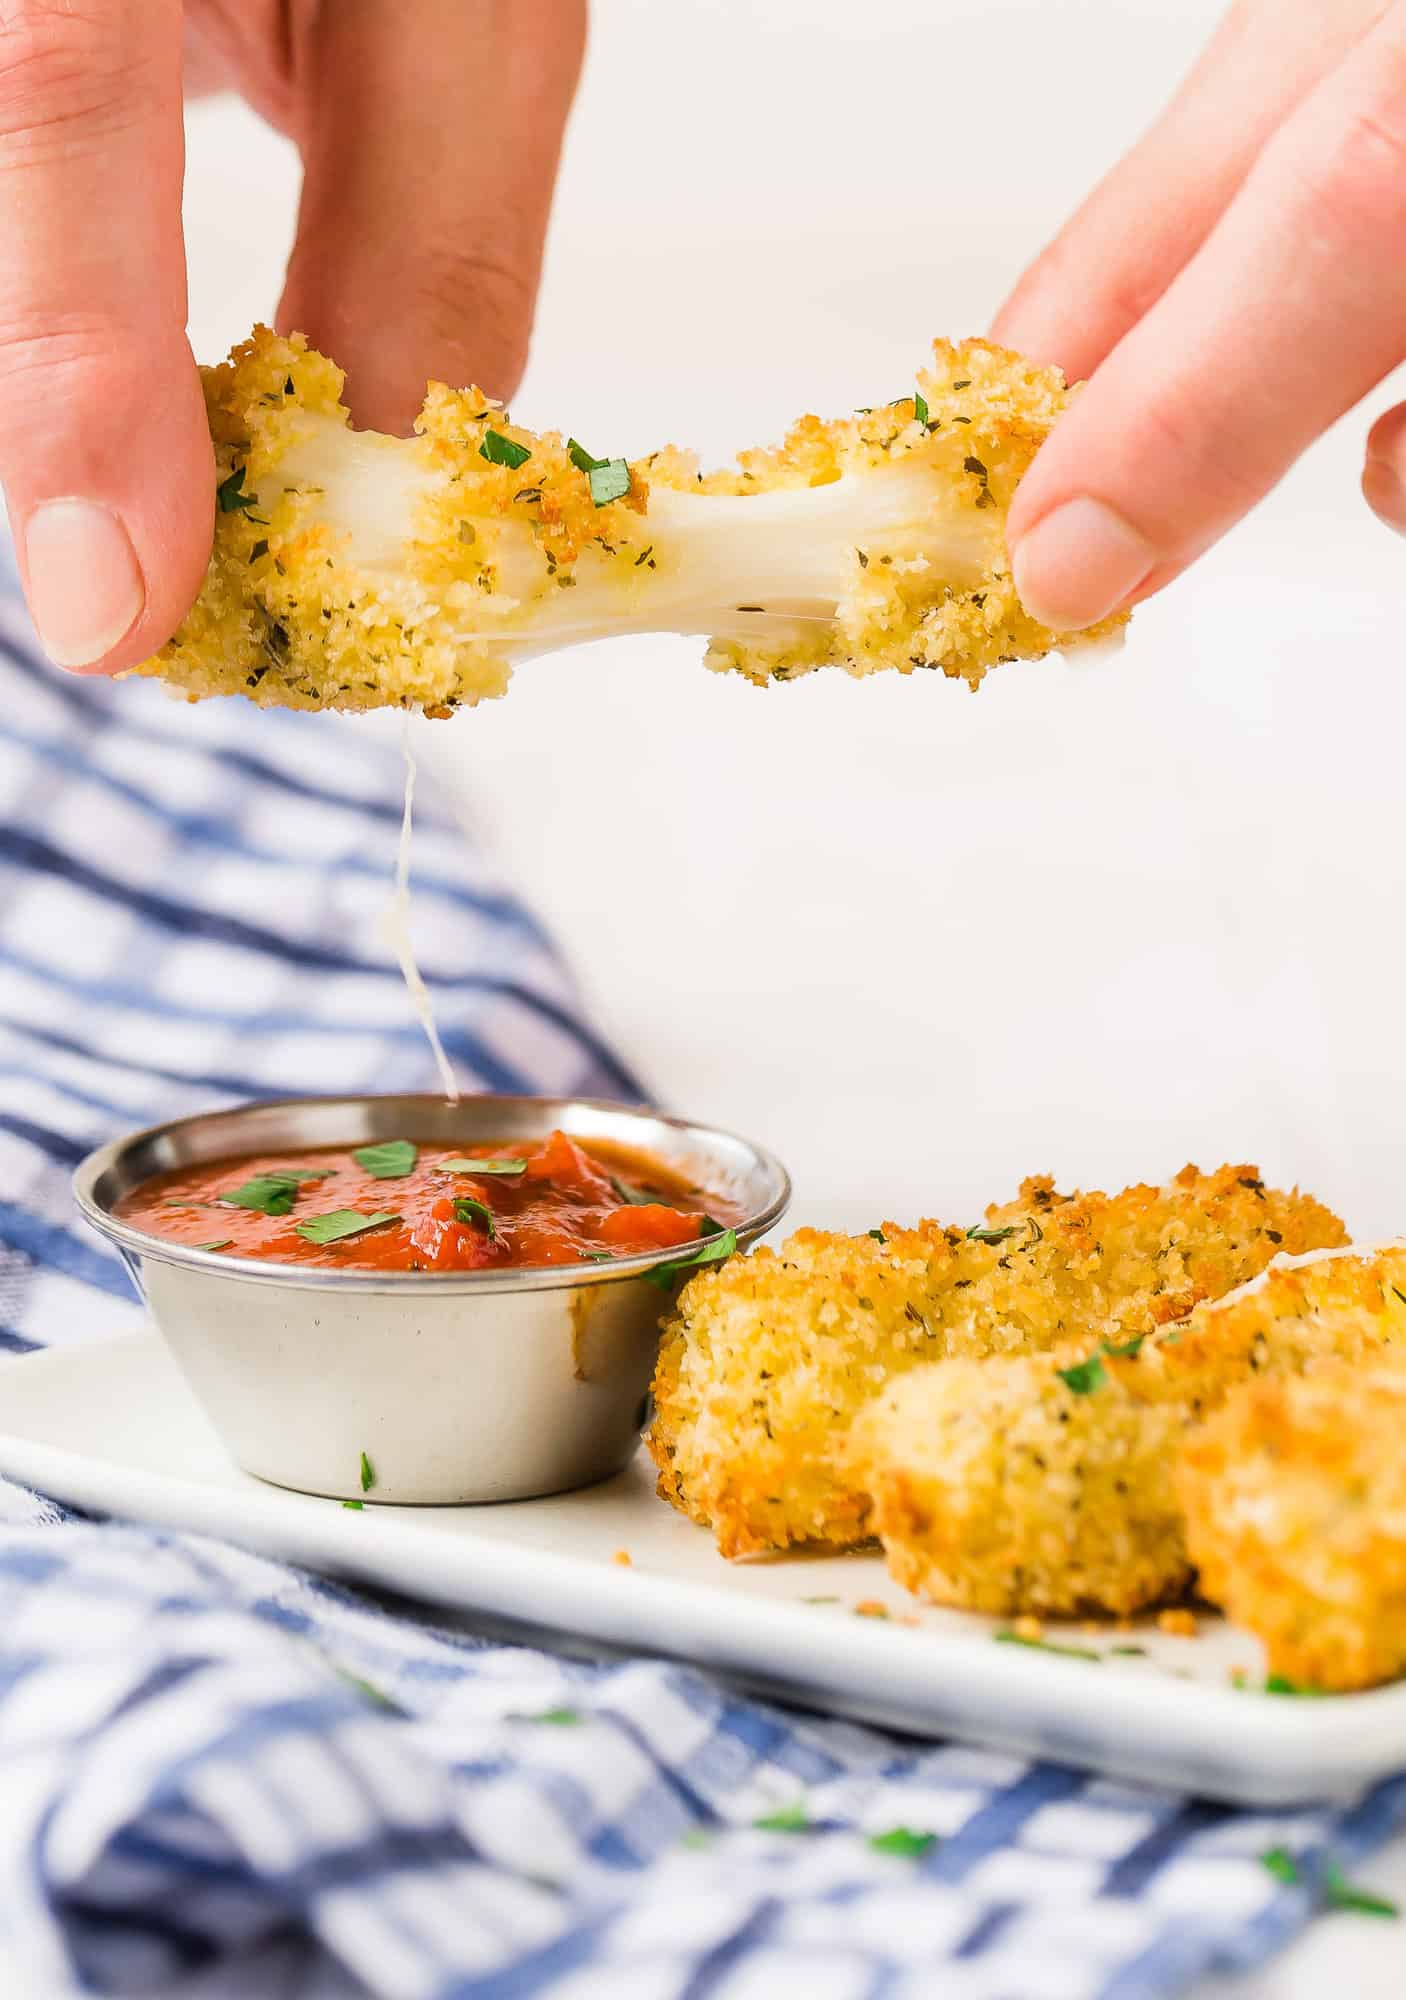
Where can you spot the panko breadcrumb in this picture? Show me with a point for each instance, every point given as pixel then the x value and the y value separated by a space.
pixel 994 1486
pixel 352 570
pixel 1295 1501
pixel 1048 1483
pixel 766 1360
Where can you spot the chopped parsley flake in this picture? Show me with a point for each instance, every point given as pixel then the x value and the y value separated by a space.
pixel 557 1718
pixel 789 1819
pixel 274 1192
pixel 340 1223
pixel 1341 1895
pixel 368 1474
pixel 353 1506
pixel 979 1233
pixel 1008 1637
pixel 902 1840
pixel 364 1687
pixel 391 1160
pixel 483 1166
pixel 500 450
pixel 220 1243
pixel 609 478
pixel 1338 1892
pixel 230 497
pixel 609 481
pixel 1083 1377
pixel 716 1251
pixel 1281 1684
pixel 878 1235
pixel 920 407
pixel 475 1214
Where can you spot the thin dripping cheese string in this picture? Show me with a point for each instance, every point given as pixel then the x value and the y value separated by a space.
pixel 395 926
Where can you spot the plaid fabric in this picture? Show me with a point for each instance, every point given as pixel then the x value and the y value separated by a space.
pixel 186 917
pixel 222 1777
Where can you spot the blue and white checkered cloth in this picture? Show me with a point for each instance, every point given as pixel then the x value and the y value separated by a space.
pixel 222 1777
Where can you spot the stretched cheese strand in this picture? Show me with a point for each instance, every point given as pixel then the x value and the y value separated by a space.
pixel 395 927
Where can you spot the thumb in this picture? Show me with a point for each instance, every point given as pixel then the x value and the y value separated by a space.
pixel 430 153
pixel 104 450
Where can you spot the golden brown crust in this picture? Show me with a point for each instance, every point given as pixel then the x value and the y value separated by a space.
pixel 291 615
pixel 1046 1483
pixel 1295 1503
pixel 998 1487
pixel 767 1360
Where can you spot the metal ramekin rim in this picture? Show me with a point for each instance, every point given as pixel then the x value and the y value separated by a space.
pixel 525 1278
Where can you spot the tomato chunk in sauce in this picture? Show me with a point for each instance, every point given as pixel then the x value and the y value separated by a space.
pixel 399 1206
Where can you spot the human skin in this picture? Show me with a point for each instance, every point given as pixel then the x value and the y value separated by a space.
pixel 429 132
pixel 1233 287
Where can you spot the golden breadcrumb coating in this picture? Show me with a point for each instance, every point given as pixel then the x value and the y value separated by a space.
pixel 352 570
pixel 1295 1500
pixel 997 1487
pixel 1048 1484
pixel 766 1360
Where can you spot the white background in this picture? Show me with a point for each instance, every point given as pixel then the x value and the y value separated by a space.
pixel 1096 920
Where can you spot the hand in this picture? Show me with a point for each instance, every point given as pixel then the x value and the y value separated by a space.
pixel 429 131
pixel 1234 286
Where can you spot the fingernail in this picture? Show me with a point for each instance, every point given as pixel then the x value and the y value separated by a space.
pixel 85 583
pixel 1078 564
pixel 1384 493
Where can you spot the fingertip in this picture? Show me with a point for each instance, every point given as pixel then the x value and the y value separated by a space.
pixel 113 511
pixel 459 320
pixel 1385 494
pixel 1384 469
pixel 1079 564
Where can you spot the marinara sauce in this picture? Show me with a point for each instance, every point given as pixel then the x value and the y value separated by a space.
pixel 400 1206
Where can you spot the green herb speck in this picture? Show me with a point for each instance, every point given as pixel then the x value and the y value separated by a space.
pixel 902 1840
pixel 475 1215
pixel 1083 1377
pixel 500 450
pixel 340 1223
pixel 1012 1638
pixel 609 481
pixel 389 1160
pixel 715 1251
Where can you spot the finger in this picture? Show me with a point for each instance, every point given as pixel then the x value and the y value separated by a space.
pixel 430 160
pixel 104 449
pixel 1384 471
pixel 1117 255
pixel 1294 308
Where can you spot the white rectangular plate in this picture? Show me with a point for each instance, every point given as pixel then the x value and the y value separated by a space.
pixel 112 1427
